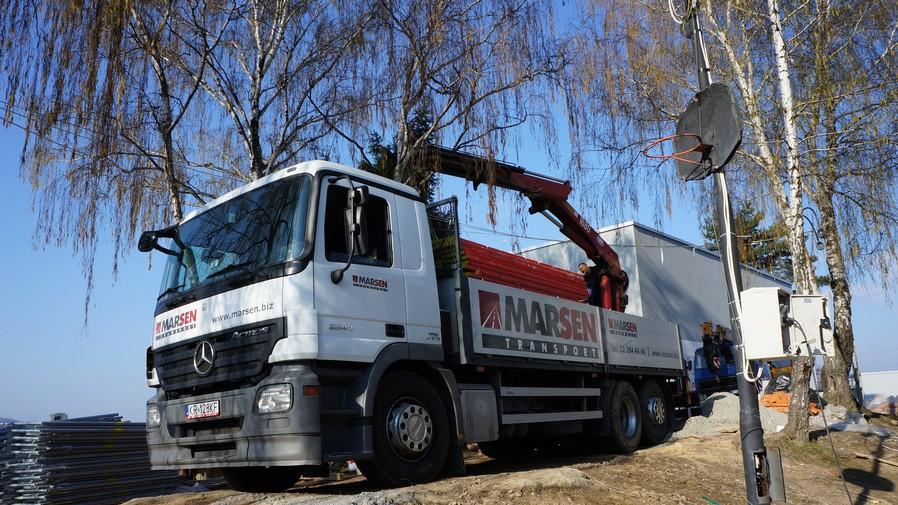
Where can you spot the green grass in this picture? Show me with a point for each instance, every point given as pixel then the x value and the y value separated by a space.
pixel 808 452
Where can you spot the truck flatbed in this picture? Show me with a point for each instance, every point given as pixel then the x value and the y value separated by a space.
pixel 501 267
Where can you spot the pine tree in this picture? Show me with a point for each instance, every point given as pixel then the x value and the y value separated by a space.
pixel 384 157
pixel 760 246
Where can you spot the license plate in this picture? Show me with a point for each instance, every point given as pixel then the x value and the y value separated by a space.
pixel 201 410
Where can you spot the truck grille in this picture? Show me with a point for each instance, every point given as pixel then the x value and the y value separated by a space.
pixel 206 428
pixel 240 355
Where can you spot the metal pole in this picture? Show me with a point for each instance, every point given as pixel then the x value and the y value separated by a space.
pixel 754 454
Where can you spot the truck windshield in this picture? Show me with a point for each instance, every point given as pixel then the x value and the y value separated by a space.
pixel 263 227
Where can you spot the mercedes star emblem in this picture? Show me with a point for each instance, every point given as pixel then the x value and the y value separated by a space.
pixel 203 357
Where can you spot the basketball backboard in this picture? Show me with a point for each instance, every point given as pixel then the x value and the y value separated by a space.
pixel 709 131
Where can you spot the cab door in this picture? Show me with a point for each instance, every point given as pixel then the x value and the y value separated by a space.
pixel 366 310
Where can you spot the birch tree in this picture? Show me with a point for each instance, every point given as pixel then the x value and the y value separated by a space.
pixel 93 87
pixel 752 47
pixel 804 278
pixel 850 54
pixel 136 111
pixel 478 70
pixel 631 75
pixel 279 77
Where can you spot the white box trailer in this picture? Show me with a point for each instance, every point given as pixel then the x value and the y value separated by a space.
pixel 670 279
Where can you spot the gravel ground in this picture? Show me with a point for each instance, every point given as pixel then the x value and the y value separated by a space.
pixel 720 414
pixel 694 470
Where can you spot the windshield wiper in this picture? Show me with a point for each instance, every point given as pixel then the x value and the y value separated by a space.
pixel 233 267
pixel 168 291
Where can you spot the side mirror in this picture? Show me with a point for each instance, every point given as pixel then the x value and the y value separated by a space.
pixel 361 221
pixel 361 196
pixel 357 224
pixel 355 221
pixel 147 241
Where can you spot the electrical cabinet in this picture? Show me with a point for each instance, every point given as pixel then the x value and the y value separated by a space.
pixel 811 327
pixel 765 332
pixel 776 324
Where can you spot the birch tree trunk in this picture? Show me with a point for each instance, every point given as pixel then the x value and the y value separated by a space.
pixel 803 367
pixel 835 369
pixel 163 114
pixel 789 196
pixel 835 382
pixel 165 125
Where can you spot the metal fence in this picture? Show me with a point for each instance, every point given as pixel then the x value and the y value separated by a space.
pixel 91 460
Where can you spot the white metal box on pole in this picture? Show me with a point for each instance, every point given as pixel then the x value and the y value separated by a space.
pixel 811 327
pixel 776 325
pixel 765 334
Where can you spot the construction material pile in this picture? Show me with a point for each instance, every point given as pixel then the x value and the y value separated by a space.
pixel 20 476
pixel 92 460
pixel 501 267
pixel 779 401
pixel 720 414
pixel 838 418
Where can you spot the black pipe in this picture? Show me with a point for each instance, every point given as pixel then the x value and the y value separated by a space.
pixel 751 433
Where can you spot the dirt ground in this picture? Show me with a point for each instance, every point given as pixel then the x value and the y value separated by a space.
pixel 689 470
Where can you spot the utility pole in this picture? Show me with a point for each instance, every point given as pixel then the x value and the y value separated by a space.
pixel 756 465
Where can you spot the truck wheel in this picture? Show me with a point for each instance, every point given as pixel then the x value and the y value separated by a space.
pixel 254 479
pixel 624 419
pixel 411 432
pixel 655 412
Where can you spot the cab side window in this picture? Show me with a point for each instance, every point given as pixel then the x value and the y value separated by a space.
pixel 337 244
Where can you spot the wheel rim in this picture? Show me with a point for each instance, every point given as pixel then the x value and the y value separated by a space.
pixel 656 410
pixel 628 418
pixel 409 429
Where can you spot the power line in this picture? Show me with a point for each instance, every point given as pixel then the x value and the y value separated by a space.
pixel 479 230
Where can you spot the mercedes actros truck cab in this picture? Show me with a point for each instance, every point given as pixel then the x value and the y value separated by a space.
pixel 323 314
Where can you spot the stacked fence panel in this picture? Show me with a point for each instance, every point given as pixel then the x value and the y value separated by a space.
pixel 94 460
pixel 21 481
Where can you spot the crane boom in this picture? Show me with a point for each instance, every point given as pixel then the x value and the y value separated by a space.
pixel 547 196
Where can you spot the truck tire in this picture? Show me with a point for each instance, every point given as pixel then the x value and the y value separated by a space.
pixel 410 431
pixel 253 479
pixel 624 419
pixel 655 412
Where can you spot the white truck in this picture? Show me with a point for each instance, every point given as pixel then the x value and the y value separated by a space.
pixel 323 314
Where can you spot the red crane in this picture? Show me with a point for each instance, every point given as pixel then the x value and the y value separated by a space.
pixel 548 196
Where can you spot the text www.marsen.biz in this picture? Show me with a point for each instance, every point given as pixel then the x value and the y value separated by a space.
pixel 243 312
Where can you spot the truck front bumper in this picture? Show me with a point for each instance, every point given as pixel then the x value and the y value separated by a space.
pixel 238 436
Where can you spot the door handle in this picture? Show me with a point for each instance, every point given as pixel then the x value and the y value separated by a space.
pixel 395 330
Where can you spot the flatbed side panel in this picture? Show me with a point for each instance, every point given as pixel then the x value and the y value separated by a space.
pixel 509 322
pixel 641 341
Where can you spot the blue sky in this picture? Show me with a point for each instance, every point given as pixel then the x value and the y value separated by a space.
pixel 50 362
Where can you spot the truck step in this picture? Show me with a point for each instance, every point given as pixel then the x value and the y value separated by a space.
pixel 339 413
pixel 536 391
pixel 547 417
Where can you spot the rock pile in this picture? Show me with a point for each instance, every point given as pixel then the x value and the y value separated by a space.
pixel 720 414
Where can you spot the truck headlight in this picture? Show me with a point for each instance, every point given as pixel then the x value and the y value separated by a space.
pixel 275 398
pixel 154 418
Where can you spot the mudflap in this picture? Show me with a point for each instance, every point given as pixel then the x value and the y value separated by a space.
pixel 455 461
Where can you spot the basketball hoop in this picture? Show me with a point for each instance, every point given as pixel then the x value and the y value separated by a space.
pixel 692 142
